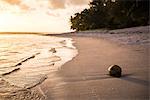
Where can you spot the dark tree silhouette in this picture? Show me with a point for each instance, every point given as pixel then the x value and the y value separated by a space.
pixel 112 14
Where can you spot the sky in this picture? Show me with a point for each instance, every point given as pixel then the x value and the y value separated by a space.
pixel 38 15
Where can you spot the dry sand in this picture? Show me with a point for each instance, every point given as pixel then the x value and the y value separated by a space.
pixel 86 76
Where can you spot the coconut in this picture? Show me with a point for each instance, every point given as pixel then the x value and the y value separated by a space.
pixel 115 71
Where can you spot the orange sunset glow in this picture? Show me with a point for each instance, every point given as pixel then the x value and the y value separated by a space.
pixel 38 15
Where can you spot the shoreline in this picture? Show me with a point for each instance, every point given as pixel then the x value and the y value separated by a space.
pixel 129 36
pixel 86 77
pixel 60 84
pixel 16 81
pixel 76 79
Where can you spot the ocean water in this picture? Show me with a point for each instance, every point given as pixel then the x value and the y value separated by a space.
pixel 26 60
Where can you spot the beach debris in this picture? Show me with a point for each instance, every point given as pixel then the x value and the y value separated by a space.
pixel 53 50
pixel 115 71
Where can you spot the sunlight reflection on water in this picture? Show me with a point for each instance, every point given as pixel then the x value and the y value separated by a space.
pixel 32 55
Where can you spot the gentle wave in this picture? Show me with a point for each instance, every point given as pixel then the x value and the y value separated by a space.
pixel 15 67
pixel 25 60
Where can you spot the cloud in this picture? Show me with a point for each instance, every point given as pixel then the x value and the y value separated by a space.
pixel 56 4
pixel 24 7
pixel 78 2
pixel 45 6
pixel 13 2
pixel 53 4
pixel 60 4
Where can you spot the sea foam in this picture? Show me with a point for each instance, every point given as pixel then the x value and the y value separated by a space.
pixel 26 60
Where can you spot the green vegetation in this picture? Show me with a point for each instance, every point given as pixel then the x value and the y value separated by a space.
pixel 111 14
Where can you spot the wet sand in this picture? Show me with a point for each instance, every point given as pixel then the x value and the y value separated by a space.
pixel 86 76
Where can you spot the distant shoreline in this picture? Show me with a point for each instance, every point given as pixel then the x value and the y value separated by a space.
pixel 66 33
pixel 134 35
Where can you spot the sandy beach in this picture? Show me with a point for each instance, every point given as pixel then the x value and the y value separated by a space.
pixel 86 76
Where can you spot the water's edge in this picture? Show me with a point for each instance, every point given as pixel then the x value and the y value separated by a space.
pixel 62 56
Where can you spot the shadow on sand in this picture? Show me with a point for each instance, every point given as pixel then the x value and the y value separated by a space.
pixel 126 77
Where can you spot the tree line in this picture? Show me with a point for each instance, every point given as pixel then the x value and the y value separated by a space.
pixel 111 14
